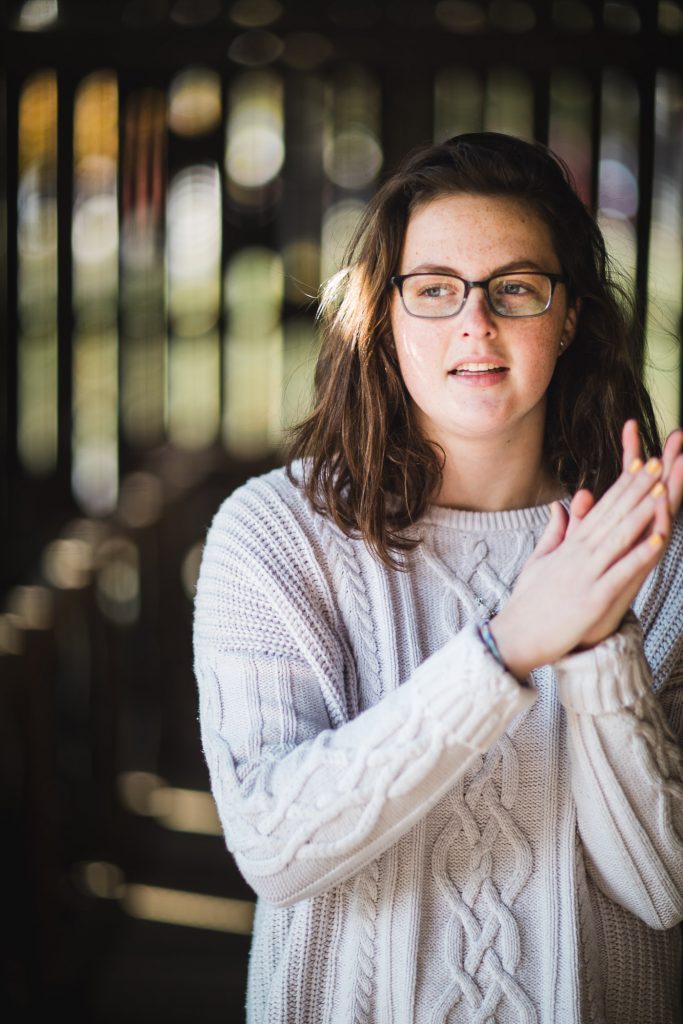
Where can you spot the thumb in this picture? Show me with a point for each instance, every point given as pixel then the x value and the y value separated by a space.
pixel 554 533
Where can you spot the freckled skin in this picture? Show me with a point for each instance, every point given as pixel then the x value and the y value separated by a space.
pixel 590 563
pixel 476 236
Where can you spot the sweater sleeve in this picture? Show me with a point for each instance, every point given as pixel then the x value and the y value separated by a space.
pixel 307 791
pixel 626 775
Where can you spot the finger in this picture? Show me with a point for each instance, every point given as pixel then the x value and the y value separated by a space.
pixel 632 488
pixel 628 574
pixel 670 455
pixel 675 485
pixel 632 463
pixel 641 521
pixel 662 518
pixel 554 533
pixel 580 506
pixel 630 440
pixel 672 448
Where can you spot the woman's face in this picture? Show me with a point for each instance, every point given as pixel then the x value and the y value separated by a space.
pixel 444 361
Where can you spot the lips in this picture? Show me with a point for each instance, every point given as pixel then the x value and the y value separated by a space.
pixel 471 368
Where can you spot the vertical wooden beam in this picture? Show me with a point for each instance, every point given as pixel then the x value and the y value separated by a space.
pixel 540 83
pixel 9 464
pixel 646 79
pixel 65 320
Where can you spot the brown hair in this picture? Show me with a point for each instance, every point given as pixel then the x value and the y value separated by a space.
pixel 365 462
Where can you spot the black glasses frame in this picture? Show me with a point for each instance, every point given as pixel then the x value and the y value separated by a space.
pixel 555 279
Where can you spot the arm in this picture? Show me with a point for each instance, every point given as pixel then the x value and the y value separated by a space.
pixel 626 774
pixel 307 796
pixel 572 597
pixel 587 568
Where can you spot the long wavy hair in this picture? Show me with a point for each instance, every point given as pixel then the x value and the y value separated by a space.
pixel 365 462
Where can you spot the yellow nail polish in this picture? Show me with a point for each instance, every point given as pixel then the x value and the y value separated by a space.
pixel 635 466
pixel 653 467
pixel 658 490
pixel 656 540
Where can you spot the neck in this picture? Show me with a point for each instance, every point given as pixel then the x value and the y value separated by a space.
pixel 490 476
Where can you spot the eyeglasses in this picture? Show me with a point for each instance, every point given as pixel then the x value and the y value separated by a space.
pixel 520 293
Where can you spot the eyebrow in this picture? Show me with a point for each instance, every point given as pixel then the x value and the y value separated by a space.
pixel 506 268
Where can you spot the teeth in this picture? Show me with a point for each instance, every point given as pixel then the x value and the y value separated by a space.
pixel 478 367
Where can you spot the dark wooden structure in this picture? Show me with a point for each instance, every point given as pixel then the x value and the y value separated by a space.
pixel 100 741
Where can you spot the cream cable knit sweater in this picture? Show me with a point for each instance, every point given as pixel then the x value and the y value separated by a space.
pixel 431 841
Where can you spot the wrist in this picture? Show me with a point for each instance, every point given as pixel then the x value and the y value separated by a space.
pixel 489 641
pixel 492 635
pixel 507 636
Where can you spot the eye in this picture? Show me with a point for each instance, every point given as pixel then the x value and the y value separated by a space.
pixel 520 294
pixel 432 295
pixel 433 287
pixel 434 291
pixel 513 287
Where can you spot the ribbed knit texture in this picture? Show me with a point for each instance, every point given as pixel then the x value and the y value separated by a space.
pixel 430 840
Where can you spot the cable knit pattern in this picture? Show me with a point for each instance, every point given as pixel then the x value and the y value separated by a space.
pixel 590 947
pixel 662 755
pixel 660 744
pixel 367 892
pixel 482 917
pixel 414 821
pixel 345 565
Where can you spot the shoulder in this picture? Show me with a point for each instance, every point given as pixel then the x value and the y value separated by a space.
pixel 659 606
pixel 267 553
pixel 265 589
pixel 665 583
pixel 267 519
pixel 272 497
pixel 271 519
pixel 266 526
pixel 673 558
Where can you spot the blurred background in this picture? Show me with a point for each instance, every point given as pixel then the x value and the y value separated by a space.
pixel 177 177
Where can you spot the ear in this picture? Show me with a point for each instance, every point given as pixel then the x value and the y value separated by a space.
pixel 570 322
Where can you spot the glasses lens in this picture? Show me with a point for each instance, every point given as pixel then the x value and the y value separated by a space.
pixel 520 294
pixel 432 294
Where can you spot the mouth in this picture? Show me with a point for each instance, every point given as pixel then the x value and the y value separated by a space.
pixel 477 370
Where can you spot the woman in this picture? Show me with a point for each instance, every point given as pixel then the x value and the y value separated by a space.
pixel 437 734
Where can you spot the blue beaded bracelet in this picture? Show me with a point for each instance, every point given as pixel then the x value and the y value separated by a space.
pixel 488 639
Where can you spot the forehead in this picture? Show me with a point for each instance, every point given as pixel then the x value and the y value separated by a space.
pixel 476 234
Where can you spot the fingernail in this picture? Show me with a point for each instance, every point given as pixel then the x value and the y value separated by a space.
pixel 656 540
pixel 635 466
pixel 658 490
pixel 653 467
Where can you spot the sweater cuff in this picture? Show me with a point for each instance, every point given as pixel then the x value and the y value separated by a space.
pixel 608 677
pixel 478 701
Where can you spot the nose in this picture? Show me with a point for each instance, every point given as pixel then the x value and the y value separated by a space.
pixel 476 317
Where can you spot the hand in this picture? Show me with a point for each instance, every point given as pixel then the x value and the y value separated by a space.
pixel 583 500
pixel 590 564
pixel 672 474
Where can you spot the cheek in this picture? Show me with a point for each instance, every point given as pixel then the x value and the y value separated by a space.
pixel 544 350
pixel 417 350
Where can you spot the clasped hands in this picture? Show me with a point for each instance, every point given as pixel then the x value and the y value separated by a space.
pixel 591 561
